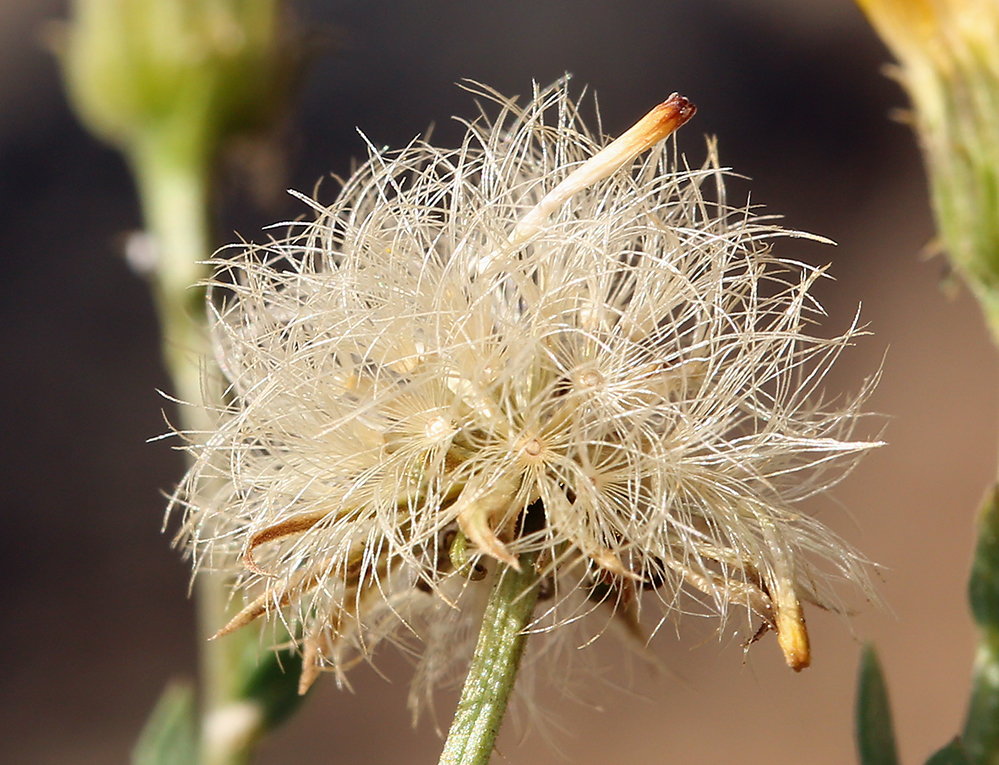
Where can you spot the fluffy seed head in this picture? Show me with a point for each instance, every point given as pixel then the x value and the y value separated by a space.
pixel 537 342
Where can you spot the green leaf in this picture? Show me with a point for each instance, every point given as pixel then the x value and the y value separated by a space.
pixel 983 586
pixel 981 728
pixel 875 736
pixel 273 685
pixel 169 736
pixel 952 754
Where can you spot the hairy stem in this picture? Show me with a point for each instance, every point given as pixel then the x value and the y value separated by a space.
pixel 494 666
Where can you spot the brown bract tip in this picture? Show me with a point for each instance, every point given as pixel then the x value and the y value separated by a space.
pixel 660 122
pixel 682 106
pixel 643 135
pixel 671 114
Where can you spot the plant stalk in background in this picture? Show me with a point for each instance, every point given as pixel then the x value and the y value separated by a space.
pixel 167 82
pixel 948 55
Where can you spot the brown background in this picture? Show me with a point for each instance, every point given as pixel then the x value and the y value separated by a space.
pixel 94 613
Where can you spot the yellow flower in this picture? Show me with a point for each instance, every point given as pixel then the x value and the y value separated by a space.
pixel 950 32
pixel 949 56
pixel 533 344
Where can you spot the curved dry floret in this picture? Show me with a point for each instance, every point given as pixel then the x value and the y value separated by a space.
pixel 534 343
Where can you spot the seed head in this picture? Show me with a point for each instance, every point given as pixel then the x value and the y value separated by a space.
pixel 534 343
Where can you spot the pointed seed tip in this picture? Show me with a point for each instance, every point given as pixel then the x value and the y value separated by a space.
pixel 792 636
pixel 306 680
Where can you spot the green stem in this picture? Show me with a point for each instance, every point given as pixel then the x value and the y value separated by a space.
pixel 494 666
pixel 175 205
pixel 981 730
pixel 174 188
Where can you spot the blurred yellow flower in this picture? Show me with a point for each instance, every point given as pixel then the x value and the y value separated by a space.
pixel 948 51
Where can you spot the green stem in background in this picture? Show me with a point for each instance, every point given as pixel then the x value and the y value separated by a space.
pixel 174 193
pixel 980 738
pixel 168 83
pixel 174 190
pixel 494 666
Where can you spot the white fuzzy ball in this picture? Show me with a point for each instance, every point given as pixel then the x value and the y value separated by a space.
pixel 467 333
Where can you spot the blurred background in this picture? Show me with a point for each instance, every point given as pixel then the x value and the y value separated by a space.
pixel 95 613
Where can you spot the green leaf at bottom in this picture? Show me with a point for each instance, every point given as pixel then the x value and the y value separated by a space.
pixel 169 736
pixel 952 754
pixel 875 735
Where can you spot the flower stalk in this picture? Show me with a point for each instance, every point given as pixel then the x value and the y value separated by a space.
pixel 174 194
pixel 168 82
pixel 493 669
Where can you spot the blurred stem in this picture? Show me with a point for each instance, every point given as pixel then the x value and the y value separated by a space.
pixel 174 188
pixel 493 670
pixel 989 301
pixel 981 731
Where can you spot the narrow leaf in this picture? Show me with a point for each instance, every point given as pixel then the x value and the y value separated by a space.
pixel 981 729
pixel 273 685
pixel 169 736
pixel 952 754
pixel 875 735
